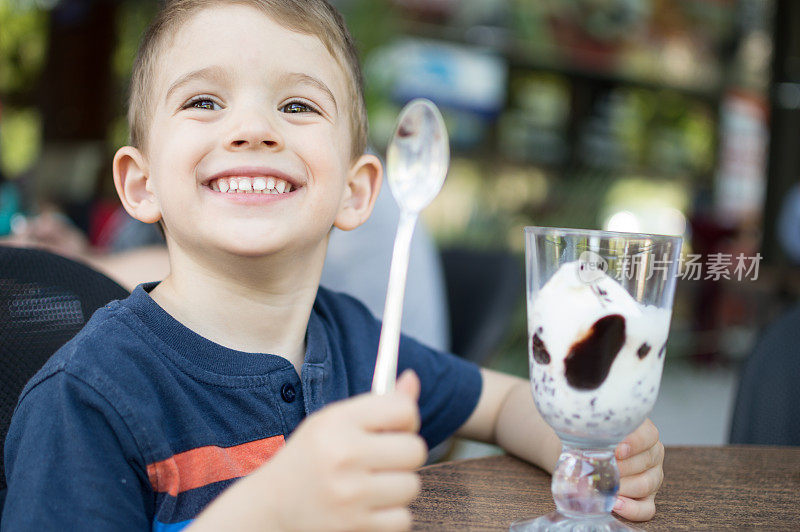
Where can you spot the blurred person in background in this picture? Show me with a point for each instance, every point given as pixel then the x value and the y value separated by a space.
pixel 127 264
pixel 358 262
pixel 789 224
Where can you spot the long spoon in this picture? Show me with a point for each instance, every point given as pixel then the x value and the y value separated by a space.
pixel 417 160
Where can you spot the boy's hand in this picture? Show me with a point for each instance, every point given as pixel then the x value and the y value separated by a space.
pixel 351 465
pixel 640 457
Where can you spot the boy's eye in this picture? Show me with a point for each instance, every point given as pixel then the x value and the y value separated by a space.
pixel 297 107
pixel 203 103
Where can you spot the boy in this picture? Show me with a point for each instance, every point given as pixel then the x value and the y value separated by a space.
pixel 165 399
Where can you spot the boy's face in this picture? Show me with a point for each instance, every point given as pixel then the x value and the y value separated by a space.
pixel 239 96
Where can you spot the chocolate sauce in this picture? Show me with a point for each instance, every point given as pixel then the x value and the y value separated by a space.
pixel 540 353
pixel 589 360
pixel 643 350
pixel 662 350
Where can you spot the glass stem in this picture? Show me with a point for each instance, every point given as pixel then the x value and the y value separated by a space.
pixel 585 481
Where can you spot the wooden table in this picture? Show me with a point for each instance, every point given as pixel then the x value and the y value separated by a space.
pixel 705 488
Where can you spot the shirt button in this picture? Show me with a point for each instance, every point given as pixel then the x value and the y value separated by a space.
pixel 288 393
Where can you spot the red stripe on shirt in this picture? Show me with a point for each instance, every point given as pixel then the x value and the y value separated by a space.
pixel 205 465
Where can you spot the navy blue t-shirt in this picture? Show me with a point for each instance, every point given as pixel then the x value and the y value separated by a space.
pixel 138 423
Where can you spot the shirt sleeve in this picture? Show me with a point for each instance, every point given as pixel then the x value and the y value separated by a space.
pixel 451 388
pixel 72 464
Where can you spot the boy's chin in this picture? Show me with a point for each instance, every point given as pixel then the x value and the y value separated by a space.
pixel 251 250
pixel 261 248
pixel 228 245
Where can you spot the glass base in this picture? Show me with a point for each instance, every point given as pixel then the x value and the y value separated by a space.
pixel 584 485
pixel 559 521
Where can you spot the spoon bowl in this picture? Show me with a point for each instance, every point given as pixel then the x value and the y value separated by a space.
pixel 418 155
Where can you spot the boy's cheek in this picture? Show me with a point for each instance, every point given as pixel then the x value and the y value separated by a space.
pixel 324 159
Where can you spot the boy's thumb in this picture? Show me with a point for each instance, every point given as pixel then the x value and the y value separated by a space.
pixel 408 384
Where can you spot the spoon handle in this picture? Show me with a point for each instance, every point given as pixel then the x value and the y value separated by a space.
pixel 386 364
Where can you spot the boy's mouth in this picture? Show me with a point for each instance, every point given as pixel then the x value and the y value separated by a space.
pixel 251 180
pixel 250 185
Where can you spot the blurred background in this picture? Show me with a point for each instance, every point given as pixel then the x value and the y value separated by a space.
pixel 664 116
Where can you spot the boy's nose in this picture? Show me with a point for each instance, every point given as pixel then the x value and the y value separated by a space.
pixel 254 131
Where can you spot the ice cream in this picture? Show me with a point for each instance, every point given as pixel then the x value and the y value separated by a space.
pixel 596 355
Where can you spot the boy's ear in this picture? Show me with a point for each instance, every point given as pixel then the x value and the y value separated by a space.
pixel 132 180
pixel 362 187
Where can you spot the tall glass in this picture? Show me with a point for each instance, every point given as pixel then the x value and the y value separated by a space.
pixel 599 309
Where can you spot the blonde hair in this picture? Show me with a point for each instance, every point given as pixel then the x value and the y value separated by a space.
pixel 310 17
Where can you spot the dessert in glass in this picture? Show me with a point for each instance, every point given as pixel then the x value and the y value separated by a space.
pixel 599 308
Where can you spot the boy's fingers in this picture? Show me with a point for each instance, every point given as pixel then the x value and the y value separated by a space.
pixel 408 384
pixel 643 484
pixel 641 439
pixel 387 451
pixel 636 510
pixel 387 490
pixel 393 412
pixel 652 457
pixel 390 520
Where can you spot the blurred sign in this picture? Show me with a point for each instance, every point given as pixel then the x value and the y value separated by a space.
pixel 741 175
pixel 461 77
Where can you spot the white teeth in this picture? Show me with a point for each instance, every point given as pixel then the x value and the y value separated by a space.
pixel 250 185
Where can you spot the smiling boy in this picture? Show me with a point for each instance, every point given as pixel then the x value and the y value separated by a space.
pixel 222 397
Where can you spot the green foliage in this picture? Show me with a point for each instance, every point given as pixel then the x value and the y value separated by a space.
pixel 133 16
pixel 373 25
pixel 20 139
pixel 132 20
pixel 23 42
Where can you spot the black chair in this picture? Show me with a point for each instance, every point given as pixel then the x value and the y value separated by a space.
pixel 484 289
pixel 45 299
pixel 767 408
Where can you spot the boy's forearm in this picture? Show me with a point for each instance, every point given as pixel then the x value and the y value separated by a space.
pixel 507 416
pixel 521 431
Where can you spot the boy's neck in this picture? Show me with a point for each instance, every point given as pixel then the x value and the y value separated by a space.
pixel 251 305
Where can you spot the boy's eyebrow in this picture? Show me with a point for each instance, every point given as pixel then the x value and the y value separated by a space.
pixel 212 73
pixel 305 79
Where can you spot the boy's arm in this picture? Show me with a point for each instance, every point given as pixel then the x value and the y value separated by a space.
pixel 71 463
pixel 506 415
